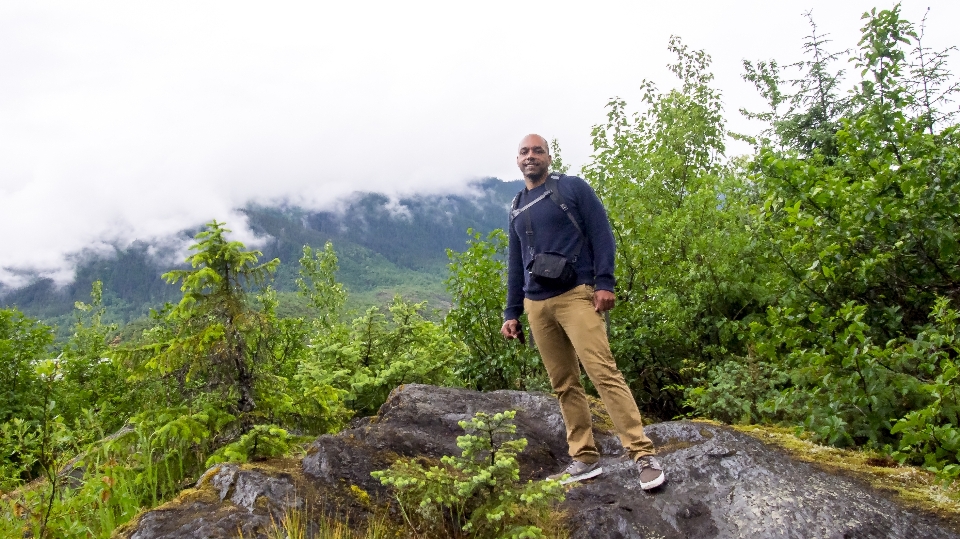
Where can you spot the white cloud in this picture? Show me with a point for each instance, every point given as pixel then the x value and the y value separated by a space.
pixel 126 120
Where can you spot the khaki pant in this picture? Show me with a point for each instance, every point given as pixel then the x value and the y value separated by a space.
pixel 565 328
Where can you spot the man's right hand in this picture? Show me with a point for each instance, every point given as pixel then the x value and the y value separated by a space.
pixel 510 329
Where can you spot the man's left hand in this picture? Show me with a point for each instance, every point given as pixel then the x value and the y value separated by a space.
pixel 603 300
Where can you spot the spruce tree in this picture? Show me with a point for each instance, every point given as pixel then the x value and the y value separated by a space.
pixel 212 336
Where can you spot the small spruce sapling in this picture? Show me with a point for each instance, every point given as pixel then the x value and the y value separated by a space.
pixel 480 490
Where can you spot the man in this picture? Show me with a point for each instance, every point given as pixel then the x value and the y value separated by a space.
pixel 566 313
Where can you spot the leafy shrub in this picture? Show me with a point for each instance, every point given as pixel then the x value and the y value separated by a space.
pixel 375 354
pixel 853 203
pixel 22 342
pixel 20 443
pixel 742 390
pixel 477 286
pixel 92 380
pixel 931 435
pixel 688 271
pixel 823 370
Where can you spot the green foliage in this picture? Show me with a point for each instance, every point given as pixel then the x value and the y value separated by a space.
pixel 262 441
pixel 22 342
pixel 20 442
pixel 91 508
pixel 477 286
pixel 558 164
pixel 688 270
pixel 929 83
pixel 54 442
pixel 740 390
pixel 287 397
pixel 168 445
pixel 216 378
pixel 812 119
pixel 358 364
pixel 851 227
pixel 224 351
pixel 931 434
pixel 92 380
pixel 857 199
pixel 68 402
pixel 480 491
pixel 853 384
pixel 318 282
pixel 108 482
pixel 215 330
pixel 825 372
pixel 375 353
pixel 225 348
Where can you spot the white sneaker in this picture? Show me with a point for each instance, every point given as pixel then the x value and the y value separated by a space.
pixel 651 473
pixel 577 471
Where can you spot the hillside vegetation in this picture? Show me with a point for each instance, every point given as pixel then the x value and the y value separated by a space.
pixel 812 284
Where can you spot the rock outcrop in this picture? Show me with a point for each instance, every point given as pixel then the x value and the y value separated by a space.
pixel 720 483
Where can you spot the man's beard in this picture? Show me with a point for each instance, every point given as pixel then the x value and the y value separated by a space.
pixel 536 176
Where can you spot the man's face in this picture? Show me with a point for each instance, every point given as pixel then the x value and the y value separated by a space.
pixel 533 157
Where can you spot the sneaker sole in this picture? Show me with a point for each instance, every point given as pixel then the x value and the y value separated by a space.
pixel 655 483
pixel 574 478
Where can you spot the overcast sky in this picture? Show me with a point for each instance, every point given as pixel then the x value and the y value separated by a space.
pixel 127 120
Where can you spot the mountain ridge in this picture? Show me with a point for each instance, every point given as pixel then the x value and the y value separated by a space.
pixel 384 245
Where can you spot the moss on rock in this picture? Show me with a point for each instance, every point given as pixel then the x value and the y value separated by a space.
pixel 915 486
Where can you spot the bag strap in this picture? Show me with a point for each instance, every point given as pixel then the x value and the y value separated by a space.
pixel 552 190
pixel 557 199
pixel 516 201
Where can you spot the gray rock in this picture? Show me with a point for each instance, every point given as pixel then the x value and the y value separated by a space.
pixel 245 487
pixel 226 499
pixel 423 421
pixel 720 483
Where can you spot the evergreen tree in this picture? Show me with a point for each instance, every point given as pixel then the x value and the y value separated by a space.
pixel 212 341
pixel 812 119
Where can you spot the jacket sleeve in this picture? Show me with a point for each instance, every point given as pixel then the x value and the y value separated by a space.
pixel 514 277
pixel 600 234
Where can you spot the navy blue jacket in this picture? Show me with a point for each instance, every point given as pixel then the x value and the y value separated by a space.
pixel 554 233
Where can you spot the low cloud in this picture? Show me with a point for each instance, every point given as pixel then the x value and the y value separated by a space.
pixel 125 121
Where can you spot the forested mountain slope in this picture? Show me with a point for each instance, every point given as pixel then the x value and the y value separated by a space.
pixel 384 246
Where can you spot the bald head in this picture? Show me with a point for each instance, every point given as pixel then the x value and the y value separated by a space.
pixel 533 158
pixel 534 139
